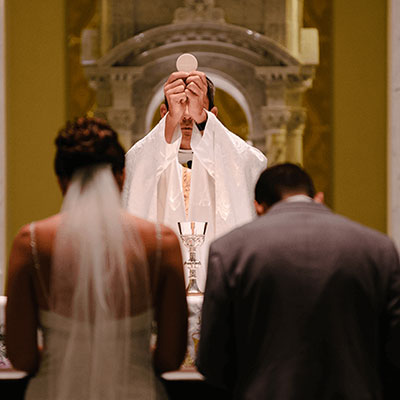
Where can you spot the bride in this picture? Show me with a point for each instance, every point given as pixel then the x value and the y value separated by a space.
pixel 96 281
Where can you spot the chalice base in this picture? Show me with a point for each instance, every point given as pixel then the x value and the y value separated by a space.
pixel 192 287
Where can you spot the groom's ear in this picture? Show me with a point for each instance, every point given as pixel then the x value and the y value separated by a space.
pixel 163 110
pixel 319 197
pixel 261 209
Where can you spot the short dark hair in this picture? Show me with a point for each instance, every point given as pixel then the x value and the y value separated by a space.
pixel 87 141
pixel 282 179
pixel 210 94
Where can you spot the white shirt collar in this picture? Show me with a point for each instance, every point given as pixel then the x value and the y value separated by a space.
pixel 298 197
pixel 185 155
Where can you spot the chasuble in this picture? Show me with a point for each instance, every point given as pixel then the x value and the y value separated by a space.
pixel 224 172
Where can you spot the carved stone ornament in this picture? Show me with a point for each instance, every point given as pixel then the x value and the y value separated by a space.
pixel 198 10
pixel 264 74
pixel 289 76
pixel 121 119
pixel 276 148
pixel 204 36
pixel 298 117
pixel 275 118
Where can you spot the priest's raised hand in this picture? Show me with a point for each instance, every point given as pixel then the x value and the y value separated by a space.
pixel 186 102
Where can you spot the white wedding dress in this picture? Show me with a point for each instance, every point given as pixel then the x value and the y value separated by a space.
pixel 142 382
pixel 96 334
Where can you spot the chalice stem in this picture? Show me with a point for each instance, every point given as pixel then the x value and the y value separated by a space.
pixel 192 254
pixel 192 286
pixel 192 234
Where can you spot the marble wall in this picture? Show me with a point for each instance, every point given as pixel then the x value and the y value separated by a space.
pixel 394 121
pixel 2 152
pixel 318 101
pixel 270 75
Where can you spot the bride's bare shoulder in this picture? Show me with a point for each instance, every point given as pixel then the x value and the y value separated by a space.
pixel 21 252
pixel 47 228
pixel 147 230
pixel 42 226
pixel 49 222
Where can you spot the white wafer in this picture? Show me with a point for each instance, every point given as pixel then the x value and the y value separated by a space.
pixel 186 62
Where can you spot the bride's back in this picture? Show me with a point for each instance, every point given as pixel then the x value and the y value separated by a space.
pixel 93 255
pixel 94 274
pixel 144 271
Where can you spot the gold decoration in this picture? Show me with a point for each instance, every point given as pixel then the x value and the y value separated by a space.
pixel 317 142
pixel 80 98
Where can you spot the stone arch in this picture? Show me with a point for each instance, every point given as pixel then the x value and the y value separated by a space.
pixel 257 69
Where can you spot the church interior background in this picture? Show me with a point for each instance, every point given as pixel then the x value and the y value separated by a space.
pixel 303 80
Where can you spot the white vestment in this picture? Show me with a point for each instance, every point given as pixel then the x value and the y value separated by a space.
pixel 224 172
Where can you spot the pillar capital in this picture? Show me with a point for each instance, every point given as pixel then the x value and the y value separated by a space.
pixel 287 76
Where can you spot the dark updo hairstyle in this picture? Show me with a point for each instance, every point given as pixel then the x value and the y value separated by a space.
pixel 87 141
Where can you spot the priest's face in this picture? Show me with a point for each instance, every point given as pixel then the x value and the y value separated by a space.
pixel 186 125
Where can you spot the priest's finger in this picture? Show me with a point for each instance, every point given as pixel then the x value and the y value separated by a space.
pixel 197 80
pixel 196 75
pixel 197 94
pixel 180 88
pixel 176 107
pixel 195 89
pixel 196 105
pixel 177 75
pixel 175 87
pixel 178 98
pixel 199 74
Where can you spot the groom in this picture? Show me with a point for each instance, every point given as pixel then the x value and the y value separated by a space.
pixel 301 303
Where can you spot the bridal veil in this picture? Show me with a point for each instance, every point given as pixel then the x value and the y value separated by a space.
pixel 100 284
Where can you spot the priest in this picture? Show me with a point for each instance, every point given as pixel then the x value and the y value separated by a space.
pixel 190 167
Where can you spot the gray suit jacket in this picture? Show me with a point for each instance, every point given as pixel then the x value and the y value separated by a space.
pixel 302 304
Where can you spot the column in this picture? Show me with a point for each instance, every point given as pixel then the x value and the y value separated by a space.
pixel 296 85
pixel 283 116
pixel 99 81
pixel 122 114
pixel 276 114
pixel 90 37
pixel 117 23
pixel 296 127
pixel 274 20
pixel 283 21
pixel 2 153
pixel 275 121
pixel 122 23
pixel 394 121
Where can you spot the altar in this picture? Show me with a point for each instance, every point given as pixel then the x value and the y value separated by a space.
pixel 12 381
pixel 181 384
pixel 187 381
